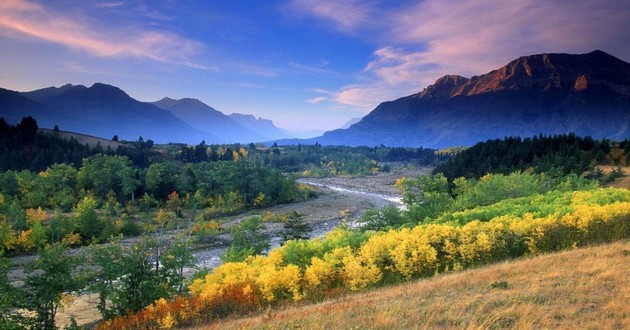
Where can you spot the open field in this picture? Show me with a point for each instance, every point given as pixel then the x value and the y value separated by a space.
pixel 581 289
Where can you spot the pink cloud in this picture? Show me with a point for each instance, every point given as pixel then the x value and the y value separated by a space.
pixel 23 19
pixel 423 41
pixel 362 98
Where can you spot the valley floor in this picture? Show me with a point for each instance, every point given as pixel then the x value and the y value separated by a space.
pixel 322 213
pixel 581 289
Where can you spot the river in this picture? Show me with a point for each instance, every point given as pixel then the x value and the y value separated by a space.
pixel 358 201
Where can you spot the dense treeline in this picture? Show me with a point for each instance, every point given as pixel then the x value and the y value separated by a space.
pixel 562 153
pixel 22 147
pixel 489 226
pixel 321 161
pixel 128 196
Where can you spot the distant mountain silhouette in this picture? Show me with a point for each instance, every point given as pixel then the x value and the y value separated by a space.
pixel 587 94
pixel 103 110
pixel 263 127
pixel 41 95
pixel 205 118
pixel 14 107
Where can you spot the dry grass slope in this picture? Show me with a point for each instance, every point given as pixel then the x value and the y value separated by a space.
pixel 83 138
pixel 581 289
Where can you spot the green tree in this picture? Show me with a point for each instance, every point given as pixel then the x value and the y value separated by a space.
pixel 102 174
pixel 52 275
pixel 7 235
pixel 39 236
pixel 426 196
pixel 296 228
pixel 386 218
pixel 109 258
pixel 174 260
pixel 87 220
pixel 59 182
pixel 248 238
pixel 10 298
pixel 161 179
pixel 59 226
pixel 139 284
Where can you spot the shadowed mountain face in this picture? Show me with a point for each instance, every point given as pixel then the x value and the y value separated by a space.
pixel 103 110
pixel 547 94
pixel 14 107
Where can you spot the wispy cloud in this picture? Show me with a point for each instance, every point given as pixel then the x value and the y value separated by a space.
pixel 424 40
pixel 317 100
pixel 23 19
pixel 363 98
pixel 347 15
pixel 319 68
pixel 110 4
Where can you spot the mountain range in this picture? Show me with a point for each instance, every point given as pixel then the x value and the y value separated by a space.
pixel 104 110
pixel 587 94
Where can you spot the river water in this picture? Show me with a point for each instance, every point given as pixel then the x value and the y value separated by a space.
pixel 211 257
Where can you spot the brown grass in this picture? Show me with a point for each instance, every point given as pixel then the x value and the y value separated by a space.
pixel 580 289
pixel 82 308
pixel 623 182
pixel 92 141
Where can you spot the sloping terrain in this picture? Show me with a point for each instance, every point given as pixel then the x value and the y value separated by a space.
pixel 581 289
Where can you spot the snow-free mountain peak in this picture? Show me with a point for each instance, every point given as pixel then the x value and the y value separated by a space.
pixel 588 94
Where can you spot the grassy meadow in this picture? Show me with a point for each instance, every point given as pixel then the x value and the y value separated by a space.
pixel 586 288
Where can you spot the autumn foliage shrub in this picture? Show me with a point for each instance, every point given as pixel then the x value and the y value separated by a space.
pixel 346 261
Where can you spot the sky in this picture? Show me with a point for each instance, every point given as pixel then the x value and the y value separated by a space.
pixel 305 64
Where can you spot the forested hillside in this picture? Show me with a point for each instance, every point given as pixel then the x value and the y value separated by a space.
pixel 23 148
pixel 561 154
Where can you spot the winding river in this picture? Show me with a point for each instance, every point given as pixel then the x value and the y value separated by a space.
pixel 211 257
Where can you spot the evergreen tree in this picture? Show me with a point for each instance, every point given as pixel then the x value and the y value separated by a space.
pixel 296 228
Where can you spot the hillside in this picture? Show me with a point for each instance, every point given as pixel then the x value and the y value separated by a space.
pixel 587 288
pixel 83 139
pixel 588 94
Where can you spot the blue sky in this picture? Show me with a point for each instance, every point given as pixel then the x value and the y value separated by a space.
pixel 305 64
